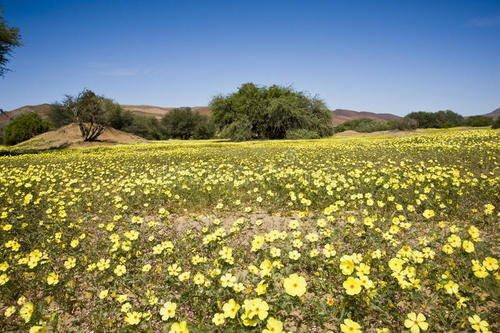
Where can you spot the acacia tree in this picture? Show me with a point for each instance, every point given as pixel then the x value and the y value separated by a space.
pixel 269 113
pixel 9 39
pixel 90 113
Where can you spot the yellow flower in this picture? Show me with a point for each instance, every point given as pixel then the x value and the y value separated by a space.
pixel 273 326
pixel 52 279
pixel 70 263
pixel 352 286
pixel 350 326
pixel 120 270
pixel 37 329
pixel 103 294
pixel 347 265
pixel 133 318
pixel 428 213
pixel 478 324
pixel 4 278
pixel 295 285
pixel 26 311
pixel 10 311
pixel 468 246
pixel 167 311
pixel 218 319
pixel 180 327
pixel 491 264
pixel 230 308
pixel 416 322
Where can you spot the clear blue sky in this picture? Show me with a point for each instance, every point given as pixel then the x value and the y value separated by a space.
pixel 382 56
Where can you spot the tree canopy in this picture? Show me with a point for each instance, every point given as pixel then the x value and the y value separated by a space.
pixel 254 112
pixel 9 39
pixel 184 123
pixel 92 113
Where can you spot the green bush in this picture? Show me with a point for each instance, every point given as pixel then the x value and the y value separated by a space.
pixel 298 134
pixel 146 127
pixel 268 113
pixel 478 121
pixel 366 125
pixel 24 127
pixel 496 123
pixel 184 123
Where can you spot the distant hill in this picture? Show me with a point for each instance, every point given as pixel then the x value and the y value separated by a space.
pixel 42 110
pixel 340 116
pixel 158 111
pixel 493 114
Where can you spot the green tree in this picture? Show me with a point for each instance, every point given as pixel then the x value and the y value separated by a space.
pixel 59 115
pixel 146 127
pixel 268 112
pixel 117 117
pixel 91 112
pixel 496 123
pixel 24 127
pixel 184 123
pixel 478 121
pixel 9 39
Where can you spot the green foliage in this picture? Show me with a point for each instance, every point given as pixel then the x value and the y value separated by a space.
pixel 184 123
pixel 146 127
pixel 93 113
pixel 478 121
pixel 239 130
pixel 366 125
pixel 24 127
pixel 496 123
pixel 117 117
pixel 9 39
pixel 59 115
pixel 301 134
pixel 268 113
pixel 440 119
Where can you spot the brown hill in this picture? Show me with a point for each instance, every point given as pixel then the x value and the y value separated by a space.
pixel 69 136
pixel 158 111
pixel 493 114
pixel 340 116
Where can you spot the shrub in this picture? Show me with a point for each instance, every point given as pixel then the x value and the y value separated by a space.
pixel 496 123
pixel 298 134
pixel 59 115
pixel 24 127
pixel 478 121
pixel 146 127
pixel 184 123
pixel 405 124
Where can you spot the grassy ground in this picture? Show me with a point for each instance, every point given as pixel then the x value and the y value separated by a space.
pixel 308 236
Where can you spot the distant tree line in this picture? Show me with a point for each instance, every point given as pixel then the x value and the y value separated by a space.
pixel 365 125
pixel 420 119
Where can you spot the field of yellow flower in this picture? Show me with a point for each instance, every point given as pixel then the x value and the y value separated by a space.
pixel 377 233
